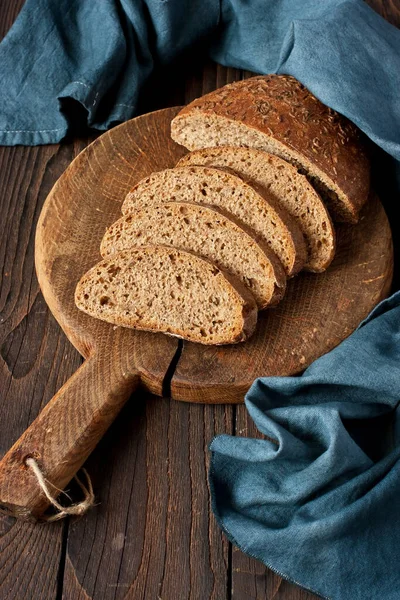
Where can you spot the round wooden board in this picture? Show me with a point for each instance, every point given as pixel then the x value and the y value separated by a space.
pixel 317 313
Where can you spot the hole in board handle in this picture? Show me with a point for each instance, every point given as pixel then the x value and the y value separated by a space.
pixel 35 455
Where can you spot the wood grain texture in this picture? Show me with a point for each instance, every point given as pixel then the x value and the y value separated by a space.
pixel 388 9
pixel 66 432
pixel 153 535
pixel 37 359
pixel 84 201
pixel 9 12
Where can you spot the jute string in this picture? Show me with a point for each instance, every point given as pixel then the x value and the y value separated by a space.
pixel 63 511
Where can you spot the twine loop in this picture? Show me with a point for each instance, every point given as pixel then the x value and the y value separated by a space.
pixel 77 509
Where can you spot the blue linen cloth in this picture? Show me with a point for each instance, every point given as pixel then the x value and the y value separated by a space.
pixel 320 504
pixel 99 53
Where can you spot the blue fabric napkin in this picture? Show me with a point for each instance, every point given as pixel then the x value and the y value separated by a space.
pixel 341 50
pixel 96 53
pixel 99 54
pixel 319 504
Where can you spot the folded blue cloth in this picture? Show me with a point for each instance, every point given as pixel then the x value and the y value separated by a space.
pixel 320 503
pixel 99 54
pixel 341 50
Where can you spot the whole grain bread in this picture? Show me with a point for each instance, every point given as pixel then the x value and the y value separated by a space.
pixel 278 114
pixel 156 288
pixel 288 187
pixel 205 231
pixel 215 187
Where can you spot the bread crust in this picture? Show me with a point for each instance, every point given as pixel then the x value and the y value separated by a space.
pixel 281 108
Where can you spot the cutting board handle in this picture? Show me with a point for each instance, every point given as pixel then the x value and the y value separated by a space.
pixel 64 434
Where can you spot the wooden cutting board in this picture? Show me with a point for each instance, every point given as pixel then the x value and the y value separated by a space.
pixel 317 313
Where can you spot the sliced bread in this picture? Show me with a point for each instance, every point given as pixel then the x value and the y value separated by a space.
pixel 278 114
pixel 229 192
pixel 162 289
pixel 205 231
pixel 290 189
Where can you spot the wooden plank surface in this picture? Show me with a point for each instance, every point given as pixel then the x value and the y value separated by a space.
pixel 152 536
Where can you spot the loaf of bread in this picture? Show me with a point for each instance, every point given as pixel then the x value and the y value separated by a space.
pixel 161 289
pixel 208 233
pixel 277 114
pixel 290 189
pixel 229 192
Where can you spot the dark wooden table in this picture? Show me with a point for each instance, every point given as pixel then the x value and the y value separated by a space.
pixel 152 535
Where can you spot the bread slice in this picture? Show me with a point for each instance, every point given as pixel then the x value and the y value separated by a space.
pixel 156 288
pixel 230 193
pixel 205 231
pixel 289 188
pixel 278 114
